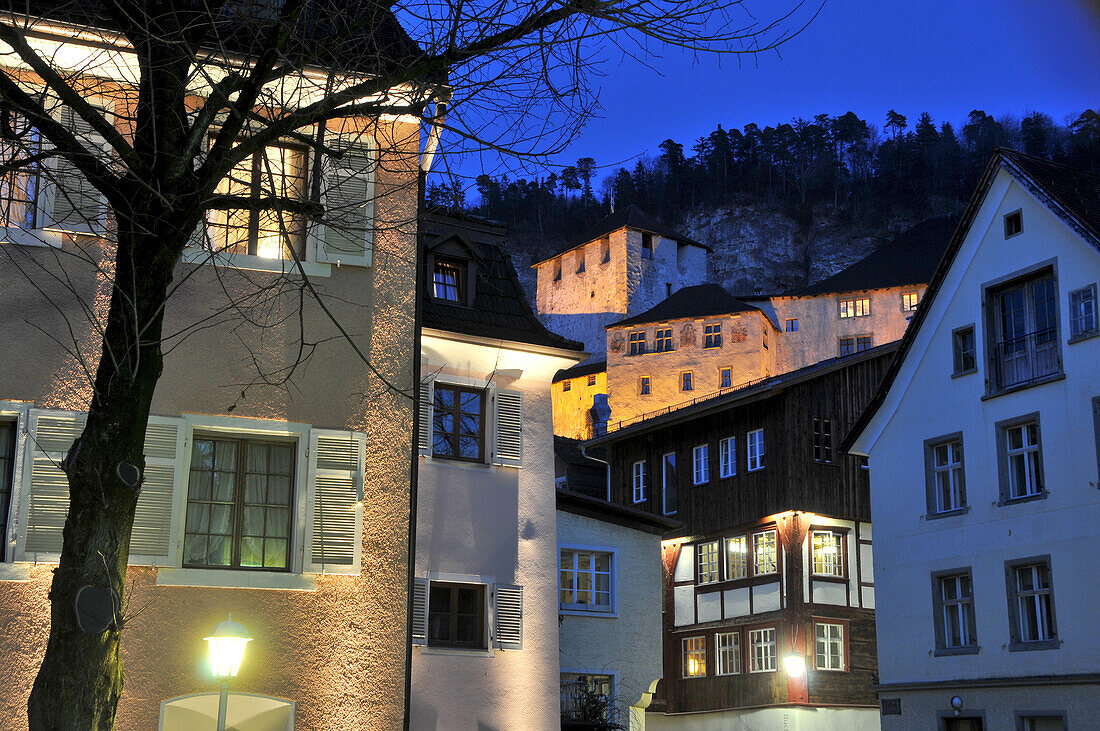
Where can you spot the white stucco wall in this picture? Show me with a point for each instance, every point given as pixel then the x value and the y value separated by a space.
pixel 496 523
pixel 628 644
pixel 769 719
pixel 927 402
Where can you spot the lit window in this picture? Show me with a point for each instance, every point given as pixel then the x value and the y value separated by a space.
pixel 828 646
pixel 725 377
pixel 686 381
pixel 955 603
pixel 458 423
pixel 456 615
pixel 823 440
pixel 637 343
pixel 585 580
pixel 1032 604
pixel 592 379
pixel 695 657
pixel 712 336
pixel 643 385
pixel 737 558
pixel 449 279
pixel 1082 312
pixel 580 692
pixel 909 301
pixel 239 498
pixel 639 481
pixel 1014 223
pixel 728 653
pixel 19 183
pixel 764 557
pixel 727 457
pixel 791 325
pixel 663 340
pixel 1022 461
pixel 706 560
pixel 762 650
pixel 277 171
pixel 855 308
pixel 945 461
pixel 827 553
pixel 755 451
pixel 963 351
pixel 566 385
pixel 700 459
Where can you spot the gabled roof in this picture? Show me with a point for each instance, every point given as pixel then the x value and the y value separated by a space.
pixel 1072 194
pixel 701 300
pixel 500 309
pixel 630 217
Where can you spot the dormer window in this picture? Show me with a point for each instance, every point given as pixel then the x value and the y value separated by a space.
pixel 449 280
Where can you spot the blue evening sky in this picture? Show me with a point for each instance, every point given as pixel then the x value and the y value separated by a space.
pixel 945 57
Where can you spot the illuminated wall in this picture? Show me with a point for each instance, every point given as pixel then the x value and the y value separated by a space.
pixel 571 417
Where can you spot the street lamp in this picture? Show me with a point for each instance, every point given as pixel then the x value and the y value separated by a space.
pixel 795 665
pixel 227 643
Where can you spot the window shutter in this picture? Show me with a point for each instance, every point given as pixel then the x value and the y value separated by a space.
pixel 419 601
pixel 51 435
pixel 424 438
pixel 347 195
pixel 335 533
pixel 151 539
pixel 73 205
pixel 509 617
pixel 509 429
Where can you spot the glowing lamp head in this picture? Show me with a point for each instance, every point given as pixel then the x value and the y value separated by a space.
pixel 795 665
pixel 227 643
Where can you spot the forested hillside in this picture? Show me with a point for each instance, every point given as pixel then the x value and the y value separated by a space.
pixel 787 203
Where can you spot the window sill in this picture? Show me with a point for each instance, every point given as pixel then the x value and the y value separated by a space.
pixel 1083 336
pixel 30 237
pixel 1025 499
pixel 967 372
pixel 194 255
pixel 948 513
pixel 229 579
pixel 1029 646
pixel 456 651
pixel 1021 386
pixel 949 651
pixel 12 571
pixel 588 613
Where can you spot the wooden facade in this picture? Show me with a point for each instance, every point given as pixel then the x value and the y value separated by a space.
pixel 804 486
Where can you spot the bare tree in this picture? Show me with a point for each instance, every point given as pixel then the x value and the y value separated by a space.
pixel 200 97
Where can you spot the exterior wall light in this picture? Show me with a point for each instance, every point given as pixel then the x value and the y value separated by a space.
pixel 956 704
pixel 795 665
pixel 227 643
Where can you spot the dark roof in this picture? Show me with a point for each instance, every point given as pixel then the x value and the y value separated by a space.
pixel 701 300
pixel 572 502
pixel 631 217
pixel 1076 192
pixel 581 369
pixel 569 451
pixel 500 309
pixel 911 258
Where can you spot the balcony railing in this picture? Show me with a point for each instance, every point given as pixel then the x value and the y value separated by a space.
pixel 1027 358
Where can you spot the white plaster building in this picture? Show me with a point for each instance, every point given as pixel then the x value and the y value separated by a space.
pixel 983 445
pixel 485 612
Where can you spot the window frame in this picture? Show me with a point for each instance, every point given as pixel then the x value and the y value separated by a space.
pixel 662 340
pixel 907 306
pixel 700 464
pixel 590 679
pixel 823 444
pixel 8 473
pixel 1013 223
pixel 746 563
pixel 645 385
pixel 636 342
pixel 708 562
pixel 932 470
pixel 688 650
pixel 1004 478
pixel 1022 718
pixel 992 293
pixel 591 379
pixel 854 343
pixel 850 308
pixel 939 617
pixel 483 456
pixel 665 484
pixel 754 558
pixel 712 335
pixel 638 481
pixel 749 451
pixel 482 644
pixel 727 466
pixel 958 353
pixel 1016 642
pixel 750 646
pixel 687 381
pixel 566 385
pixel 1076 336
pixel 727 652
pixel 611 609
pixel 791 325
pixel 843 641
pixel 841 562
pixel 725 377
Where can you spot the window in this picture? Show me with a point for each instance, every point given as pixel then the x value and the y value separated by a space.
pixel 695 657
pixel 19 183
pixel 663 340
pixel 668 483
pixel 737 558
pixel 585 580
pixel 954 612
pixel 276 171
pixel 1023 331
pixel 647 246
pixel 700 463
pixel 458 423
pixel 728 653
pixel 592 379
pixel 762 651
pixel 764 557
pixel 576 686
pixel 823 440
pixel 1021 459
pixel 566 385
pixel 755 451
pixel 1014 223
pixel 944 474
pixel 580 260
pixel 725 377
pixel 828 553
pixel 1082 312
pixel 712 336
pixel 1031 604
pixel 456 615
pixel 637 343
pixel 855 308
pixel 764 337
pixel 909 301
pixel 239 499
pixel 828 646
pixel 7 467
pixel 854 344
pixel 791 325
pixel 639 481
pixel 643 385
pixel 706 562
pixel 449 278
pixel 727 457
pixel 686 381
pixel 963 351
pixel 1042 722
pixel 557 270
pixel 605 250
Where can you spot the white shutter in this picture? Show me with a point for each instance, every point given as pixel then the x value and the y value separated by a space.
pixel 509 429
pixel 151 538
pixel 419 604
pixel 51 435
pixel 335 523
pixel 347 195
pixel 72 204
pixel 424 438
pixel 508 617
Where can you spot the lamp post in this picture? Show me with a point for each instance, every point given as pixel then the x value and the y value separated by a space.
pixel 227 643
